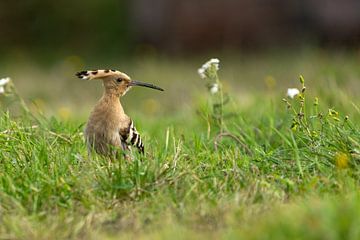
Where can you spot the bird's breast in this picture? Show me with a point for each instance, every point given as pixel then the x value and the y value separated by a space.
pixel 104 127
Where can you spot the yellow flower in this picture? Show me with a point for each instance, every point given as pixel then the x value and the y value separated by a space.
pixel 341 160
pixel 151 106
pixel 270 82
pixel 64 113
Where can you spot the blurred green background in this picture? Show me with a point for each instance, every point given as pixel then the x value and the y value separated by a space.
pixel 263 47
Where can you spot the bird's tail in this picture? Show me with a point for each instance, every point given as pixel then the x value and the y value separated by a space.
pixel 133 138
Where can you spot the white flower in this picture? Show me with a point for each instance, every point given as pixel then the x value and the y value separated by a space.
pixel 214 88
pixel 292 92
pixel 212 62
pixel 201 72
pixel 3 83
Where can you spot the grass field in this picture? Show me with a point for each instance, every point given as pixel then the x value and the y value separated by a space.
pixel 258 165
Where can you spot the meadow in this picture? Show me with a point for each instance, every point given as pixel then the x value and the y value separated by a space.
pixel 235 160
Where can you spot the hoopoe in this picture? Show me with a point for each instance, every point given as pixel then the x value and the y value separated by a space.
pixel 109 130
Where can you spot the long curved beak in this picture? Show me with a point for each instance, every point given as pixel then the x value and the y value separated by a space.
pixel 142 84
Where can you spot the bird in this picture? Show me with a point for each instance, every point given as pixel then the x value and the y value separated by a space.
pixel 109 131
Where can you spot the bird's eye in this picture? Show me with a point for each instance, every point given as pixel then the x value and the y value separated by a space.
pixel 119 80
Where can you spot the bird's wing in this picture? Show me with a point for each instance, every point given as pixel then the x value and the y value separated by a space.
pixel 131 137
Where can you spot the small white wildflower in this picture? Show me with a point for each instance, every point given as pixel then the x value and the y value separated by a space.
pixel 201 72
pixel 3 83
pixel 214 88
pixel 292 92
pixel 206 66
pixel 166 166
pixel 213 61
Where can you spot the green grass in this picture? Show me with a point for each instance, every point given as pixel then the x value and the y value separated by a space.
pixel 271 183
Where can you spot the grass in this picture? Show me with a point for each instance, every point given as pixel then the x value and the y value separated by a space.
pixel 288 170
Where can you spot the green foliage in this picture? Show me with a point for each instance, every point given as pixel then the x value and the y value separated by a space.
pixel 66 28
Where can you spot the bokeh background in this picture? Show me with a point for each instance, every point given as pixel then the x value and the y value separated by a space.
pixel 263 46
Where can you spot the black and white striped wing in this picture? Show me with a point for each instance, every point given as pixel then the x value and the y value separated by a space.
pixel 132 137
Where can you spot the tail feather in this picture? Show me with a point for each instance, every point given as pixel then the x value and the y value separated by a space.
pixel 132 137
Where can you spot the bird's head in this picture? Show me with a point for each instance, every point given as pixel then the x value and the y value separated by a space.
pixel 115 82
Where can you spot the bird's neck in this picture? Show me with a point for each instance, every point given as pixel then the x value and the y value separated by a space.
pixel 113 102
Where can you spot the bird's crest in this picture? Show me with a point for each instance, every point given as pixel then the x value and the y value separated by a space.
pixel 97 74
